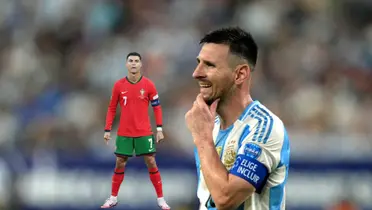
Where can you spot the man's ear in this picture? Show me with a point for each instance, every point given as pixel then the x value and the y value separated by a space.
pixel 242 73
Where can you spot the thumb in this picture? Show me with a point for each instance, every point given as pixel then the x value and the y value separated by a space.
pixel 213 107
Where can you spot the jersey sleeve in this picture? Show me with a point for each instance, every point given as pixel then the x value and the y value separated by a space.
pixel 111 111
pixel 153 95
pixel 155 103
pixel 256 159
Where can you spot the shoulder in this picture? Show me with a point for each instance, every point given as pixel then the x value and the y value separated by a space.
pixel 266 127
pixel 148 82
pixel 121 81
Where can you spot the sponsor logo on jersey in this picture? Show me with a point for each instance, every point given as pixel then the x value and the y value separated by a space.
pixel 252 150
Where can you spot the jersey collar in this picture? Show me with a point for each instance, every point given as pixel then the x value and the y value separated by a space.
pixel 133 82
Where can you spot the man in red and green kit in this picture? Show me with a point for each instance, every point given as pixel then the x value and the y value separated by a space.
pixel 134 93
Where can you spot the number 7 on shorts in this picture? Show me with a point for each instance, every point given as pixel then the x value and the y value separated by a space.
pixel 144 145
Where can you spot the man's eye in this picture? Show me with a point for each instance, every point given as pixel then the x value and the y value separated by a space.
pixel 209 64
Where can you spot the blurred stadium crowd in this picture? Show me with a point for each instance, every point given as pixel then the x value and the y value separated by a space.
pixel 60 58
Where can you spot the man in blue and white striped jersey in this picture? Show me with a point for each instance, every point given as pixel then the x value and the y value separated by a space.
pixel 242 148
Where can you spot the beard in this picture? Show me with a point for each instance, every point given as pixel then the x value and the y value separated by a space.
pixel 209 101
pixel 223 95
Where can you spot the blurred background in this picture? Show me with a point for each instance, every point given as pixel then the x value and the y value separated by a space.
pixel 60 58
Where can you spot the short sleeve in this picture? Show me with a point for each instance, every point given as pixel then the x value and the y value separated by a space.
pixel 256 159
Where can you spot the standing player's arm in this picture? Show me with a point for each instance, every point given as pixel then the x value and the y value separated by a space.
pixel 111 111
pixel 155 103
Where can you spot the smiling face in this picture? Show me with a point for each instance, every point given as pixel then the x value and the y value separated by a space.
pixel 133 64
pixel 215 76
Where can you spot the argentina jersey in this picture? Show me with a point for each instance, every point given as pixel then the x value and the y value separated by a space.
pixel 256 149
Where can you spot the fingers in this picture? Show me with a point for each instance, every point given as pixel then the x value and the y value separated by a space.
pixel 159 138
pixel 213 107
pixel 199 103
pixel 200 100
pixel 106 138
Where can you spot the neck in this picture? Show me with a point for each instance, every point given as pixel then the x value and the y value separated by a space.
pixel 229 110
pixel 133 78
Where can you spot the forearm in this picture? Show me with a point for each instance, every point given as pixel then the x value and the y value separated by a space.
pixel 111 111
pixel 110 116
pixel 158 116
pixel 215 174
pixel 109 121
pixel 223 191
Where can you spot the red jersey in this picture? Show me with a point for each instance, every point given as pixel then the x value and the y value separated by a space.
pixel 134 99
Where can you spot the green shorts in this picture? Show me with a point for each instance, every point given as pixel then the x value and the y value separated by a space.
pixel 125 146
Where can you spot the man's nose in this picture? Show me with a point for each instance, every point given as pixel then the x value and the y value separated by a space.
pixel 199 72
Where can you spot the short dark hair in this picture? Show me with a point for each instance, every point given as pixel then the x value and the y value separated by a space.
pixel 134 54
pixel 241 43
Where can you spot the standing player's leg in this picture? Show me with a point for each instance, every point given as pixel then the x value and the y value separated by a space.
pixel 146 146
pixel 118 176
pixel 124 150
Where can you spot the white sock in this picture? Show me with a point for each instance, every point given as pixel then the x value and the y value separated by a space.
pixel 113 198
pixel 161 199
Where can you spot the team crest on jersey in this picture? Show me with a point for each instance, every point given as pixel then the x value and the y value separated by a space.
pixel 142 92
pixel 230 156
pixel 252 150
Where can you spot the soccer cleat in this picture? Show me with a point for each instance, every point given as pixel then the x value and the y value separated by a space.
pixel 110 203
pixel 162 204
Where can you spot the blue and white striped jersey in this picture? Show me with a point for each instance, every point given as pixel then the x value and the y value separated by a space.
pixel 256 149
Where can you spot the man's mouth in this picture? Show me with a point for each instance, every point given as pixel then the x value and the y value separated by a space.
pixel 205 85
